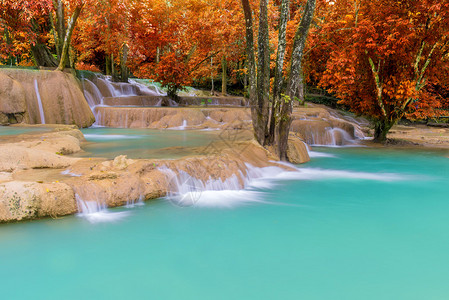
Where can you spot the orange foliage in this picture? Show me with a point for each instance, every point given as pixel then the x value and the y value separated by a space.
pixel 406 42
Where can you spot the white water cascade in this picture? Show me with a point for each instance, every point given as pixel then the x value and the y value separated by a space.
pixel 185 190
pixel 39 102
pixel 96 211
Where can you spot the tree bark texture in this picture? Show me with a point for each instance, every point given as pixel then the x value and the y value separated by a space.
pixel 43 57
pixel 278 78
pixel 263 75
pixel 68 37
pixel 224 79
pixel 251 64
pixel 295 79
pixel 381 129
pixel 123 59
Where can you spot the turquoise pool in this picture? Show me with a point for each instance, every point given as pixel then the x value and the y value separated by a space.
pixel 142 143
pixel 13 130
pixel 355 223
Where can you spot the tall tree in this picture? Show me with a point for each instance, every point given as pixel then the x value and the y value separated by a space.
pixel 386 57
pixel 276 131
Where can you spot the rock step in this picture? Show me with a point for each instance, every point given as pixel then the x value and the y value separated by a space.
pixel 184 101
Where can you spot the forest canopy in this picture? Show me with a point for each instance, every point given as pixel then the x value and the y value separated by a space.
pixel 387 60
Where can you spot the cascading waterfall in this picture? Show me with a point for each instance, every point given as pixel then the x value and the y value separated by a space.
pixel 39 102
pixel 92 205
pixel 186 190
pixel 109 86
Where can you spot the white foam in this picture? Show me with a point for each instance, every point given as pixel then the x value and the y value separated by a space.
pixel 313 154
pixel 95 212
pixel 185 190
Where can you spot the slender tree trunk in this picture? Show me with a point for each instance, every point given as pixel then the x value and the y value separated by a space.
pixel 251 64
pixel 113 70
pixel 60 26
pixel 263 75
pixel 278 78
pixel 212 91
pixel 295 79
pixel 108 64
pixel 224 80
pixel 55 36
pixel 68 37
pixel 123 60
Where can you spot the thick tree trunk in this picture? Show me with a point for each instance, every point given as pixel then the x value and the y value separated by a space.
pixel 43 57
pixel 278 78
pixel 295 79
pixel 224 79
pixel 68 37
pixel 263 75
pixel 381 129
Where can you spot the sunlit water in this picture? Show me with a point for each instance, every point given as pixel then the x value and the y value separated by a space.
pixel 363 224
pixel 142 143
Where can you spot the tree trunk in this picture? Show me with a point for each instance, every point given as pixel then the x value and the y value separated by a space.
pixel 381 129
pixel 108 65
pixel 295 79
pixel 278 78
pixel 251 65
pixel 212 91
pixel 113 70
pixel 43 57
pixel 123 59
pixel 263 74
pixel 68 37
pixel 224 80
pixel 60 26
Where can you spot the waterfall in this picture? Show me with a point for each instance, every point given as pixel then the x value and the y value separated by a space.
pixel 91 203
pixel 185 190
pixel 39 102
pixel 135 202
pixel 108 85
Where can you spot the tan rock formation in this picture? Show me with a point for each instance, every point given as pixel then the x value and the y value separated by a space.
pixel 168 117
pixel 30 200
pixel 62 99
pixel 297 151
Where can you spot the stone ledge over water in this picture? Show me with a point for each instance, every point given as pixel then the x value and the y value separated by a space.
pixel 37 180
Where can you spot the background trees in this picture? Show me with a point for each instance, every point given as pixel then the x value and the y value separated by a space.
pixel 384 59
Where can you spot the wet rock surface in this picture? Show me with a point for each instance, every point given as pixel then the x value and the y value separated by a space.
pixel 61 97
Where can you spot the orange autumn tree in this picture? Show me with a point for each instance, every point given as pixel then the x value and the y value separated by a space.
pixel 173 42
pixel 101 37
pixel 386 57
pixel 23 26
pixel 42 27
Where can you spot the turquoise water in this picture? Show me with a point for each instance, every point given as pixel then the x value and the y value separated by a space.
pixel 360 224
pixel 142 143
pixel 9 130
